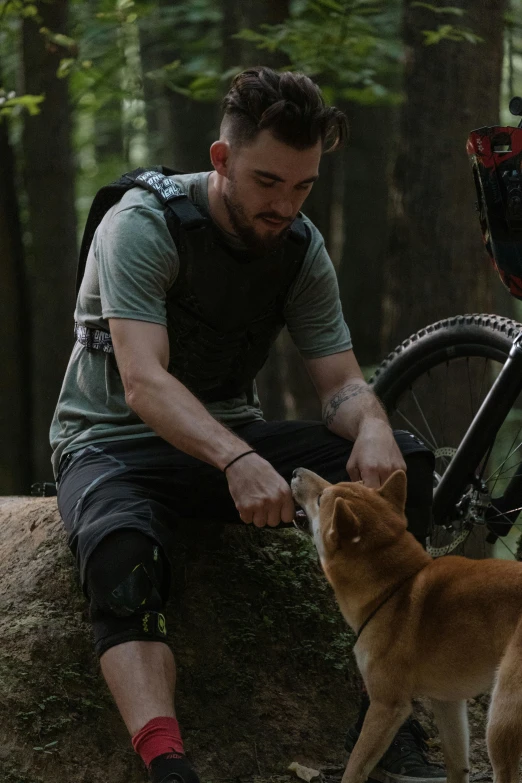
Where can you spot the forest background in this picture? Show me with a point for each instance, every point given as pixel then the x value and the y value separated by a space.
pixel 93 88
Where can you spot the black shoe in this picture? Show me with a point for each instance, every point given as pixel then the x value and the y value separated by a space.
pixel 405 761
pixel 171 768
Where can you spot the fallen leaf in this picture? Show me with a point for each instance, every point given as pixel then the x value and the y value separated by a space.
pixel 305 773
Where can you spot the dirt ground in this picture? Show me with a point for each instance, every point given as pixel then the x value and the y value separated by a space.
pixel 265 671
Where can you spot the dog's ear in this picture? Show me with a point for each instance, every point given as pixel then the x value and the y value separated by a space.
pixel 394 490
pixel 345 525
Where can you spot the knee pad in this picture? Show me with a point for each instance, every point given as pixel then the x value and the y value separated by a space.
pixel 128 582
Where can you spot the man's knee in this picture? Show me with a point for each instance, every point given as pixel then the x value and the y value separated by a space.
pixel 128 581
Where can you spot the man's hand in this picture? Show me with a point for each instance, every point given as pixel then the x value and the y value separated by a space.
pixel 375 454
pixel 261 495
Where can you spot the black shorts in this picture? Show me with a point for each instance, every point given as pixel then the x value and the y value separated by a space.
pixel 147 484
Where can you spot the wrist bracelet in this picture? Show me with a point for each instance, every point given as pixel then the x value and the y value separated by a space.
pixel 252 451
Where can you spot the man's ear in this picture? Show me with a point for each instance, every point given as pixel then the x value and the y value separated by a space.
pixel 394 490
pixel 219 155
pixel 345 525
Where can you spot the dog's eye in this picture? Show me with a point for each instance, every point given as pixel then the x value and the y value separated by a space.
pixel 318 500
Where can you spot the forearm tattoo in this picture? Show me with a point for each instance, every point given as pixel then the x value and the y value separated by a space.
pixel 348 392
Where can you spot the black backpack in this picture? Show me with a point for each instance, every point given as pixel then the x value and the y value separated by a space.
pixel 180 213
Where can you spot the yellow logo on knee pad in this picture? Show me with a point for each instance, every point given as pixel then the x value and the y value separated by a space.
pixel 162 623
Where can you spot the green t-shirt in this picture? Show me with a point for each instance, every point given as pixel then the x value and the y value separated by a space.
pixel 131 265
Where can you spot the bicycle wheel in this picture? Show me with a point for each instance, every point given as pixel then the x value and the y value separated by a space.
pixel 433 384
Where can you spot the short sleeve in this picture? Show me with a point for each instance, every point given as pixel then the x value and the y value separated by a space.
pixel 137 264
pixel 313 311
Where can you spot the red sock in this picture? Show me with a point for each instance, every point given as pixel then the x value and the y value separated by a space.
pixel 158 736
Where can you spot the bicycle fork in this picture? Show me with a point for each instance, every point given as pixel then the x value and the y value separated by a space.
pixel 482 432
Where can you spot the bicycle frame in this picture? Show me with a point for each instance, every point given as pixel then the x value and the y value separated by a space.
pixel 481 433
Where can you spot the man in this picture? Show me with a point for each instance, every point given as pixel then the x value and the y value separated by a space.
pixel 164 421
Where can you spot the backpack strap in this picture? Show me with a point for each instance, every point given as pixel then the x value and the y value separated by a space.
pixel 182 217
pixel 188 227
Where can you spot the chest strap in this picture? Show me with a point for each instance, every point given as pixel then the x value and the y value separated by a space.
pixel 93 339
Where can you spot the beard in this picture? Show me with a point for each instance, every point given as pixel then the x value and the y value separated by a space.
pixel 258 244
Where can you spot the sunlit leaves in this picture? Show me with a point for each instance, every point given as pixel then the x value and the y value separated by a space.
pixel 63 41
pixel 11 104
pixel 440 10
pixel 447 32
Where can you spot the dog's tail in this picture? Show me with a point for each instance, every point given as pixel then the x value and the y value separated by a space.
pixel 504 734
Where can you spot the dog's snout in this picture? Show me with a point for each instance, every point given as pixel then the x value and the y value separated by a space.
pixel 295 473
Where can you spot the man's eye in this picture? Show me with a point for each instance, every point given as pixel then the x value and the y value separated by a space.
pixel 264 184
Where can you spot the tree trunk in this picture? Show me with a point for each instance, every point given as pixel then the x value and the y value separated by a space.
pixel 108 132
pixel 231 24
pixel 366 164
pixel 318 205
pixel 15 325
pixel 252 16
pixel 436 265
pixel 180 129
pixel 194 126
pixel 153 57
pixel 49 180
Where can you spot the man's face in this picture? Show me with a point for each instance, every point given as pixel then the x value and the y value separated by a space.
pixel 266 185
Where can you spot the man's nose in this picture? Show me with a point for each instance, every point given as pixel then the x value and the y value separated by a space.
pixel 283 208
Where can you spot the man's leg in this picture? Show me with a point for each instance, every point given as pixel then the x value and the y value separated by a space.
pixel 141 677
pixel 127 581
pixel 116 501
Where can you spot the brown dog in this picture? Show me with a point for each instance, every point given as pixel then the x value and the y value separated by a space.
pixel 446 629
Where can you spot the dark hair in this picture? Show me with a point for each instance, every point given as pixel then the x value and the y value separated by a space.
pixel 289 104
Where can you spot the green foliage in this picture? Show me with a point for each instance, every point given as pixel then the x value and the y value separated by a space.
pixel 59 40
pixel 351 46
pixel 439 10
pixel 11 104
pixel 448 32
pixel 191 59
pixel 10 9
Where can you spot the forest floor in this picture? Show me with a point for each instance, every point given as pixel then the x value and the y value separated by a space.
pixel 265 671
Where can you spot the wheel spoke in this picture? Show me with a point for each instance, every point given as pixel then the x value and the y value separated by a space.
pixel 486 361
pixel 432 436
pixel 502 465
pixel 440 418
pixel 501 540
pixel 508 457
pixel 469 387
pixel 502 513
pixel 411 426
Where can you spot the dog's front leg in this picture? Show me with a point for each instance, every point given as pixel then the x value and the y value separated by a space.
pixel 380 726
pixel 451 718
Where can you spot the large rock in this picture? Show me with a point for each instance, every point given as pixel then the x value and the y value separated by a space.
pixel 265 672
